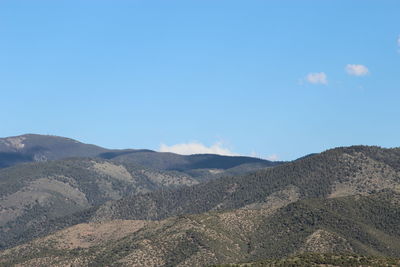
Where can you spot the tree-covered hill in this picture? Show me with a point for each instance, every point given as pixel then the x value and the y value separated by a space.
pixel 344 200
pixel 39 197
pixel 171 161
pixel 333 173
pixel 33 194
pixel 353 225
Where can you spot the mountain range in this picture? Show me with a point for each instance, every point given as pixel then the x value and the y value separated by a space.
pixel 36 148
pixel 89 206
pixel 61 177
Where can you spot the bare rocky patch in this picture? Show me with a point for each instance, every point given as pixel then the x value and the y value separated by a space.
pixel 90 234
pixel 15 142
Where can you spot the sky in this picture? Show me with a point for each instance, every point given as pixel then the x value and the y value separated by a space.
pixel 272 79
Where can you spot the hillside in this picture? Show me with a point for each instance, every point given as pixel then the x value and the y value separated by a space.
pixel 333 173
pixel 318 259
pixel 32 194
pixel 344 200
pixel 48 188
pixel 362 225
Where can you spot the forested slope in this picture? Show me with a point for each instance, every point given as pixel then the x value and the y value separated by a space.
pixel 336 172
pixel 356 225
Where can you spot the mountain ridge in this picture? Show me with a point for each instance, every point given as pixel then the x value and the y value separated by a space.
pixel 37 192
pixel 342 200
pixel 324 174
pixel 35 147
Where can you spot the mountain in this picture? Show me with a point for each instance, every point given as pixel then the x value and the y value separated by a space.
pixel 50 147
pixel 356 225
pixel 33 147
pixel 202 166
pixel 36 148
pixel 62 177
pixel 344 200
pixel 31 194
pixel 171 161
pixel 333 173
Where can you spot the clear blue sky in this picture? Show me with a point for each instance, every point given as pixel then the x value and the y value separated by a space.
pixel 264 77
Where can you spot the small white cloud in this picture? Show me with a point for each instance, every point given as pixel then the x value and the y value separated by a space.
pixel 197 148
pixel 317 78
pixel 357 70
pixel 272 157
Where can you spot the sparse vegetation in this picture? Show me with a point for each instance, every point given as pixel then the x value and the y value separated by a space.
pixel 323 260
pixel 337 208
pixel 39 197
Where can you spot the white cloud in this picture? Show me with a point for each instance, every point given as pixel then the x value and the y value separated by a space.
pixel 317 78
pixel 197 148
pixel 356 70
pixel 272 157
pixel 191 148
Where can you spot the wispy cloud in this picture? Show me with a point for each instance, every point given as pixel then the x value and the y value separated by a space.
pixel 197 148
pixel 317 78
pixel 272 157
pixel 356 70
pixel 218 148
